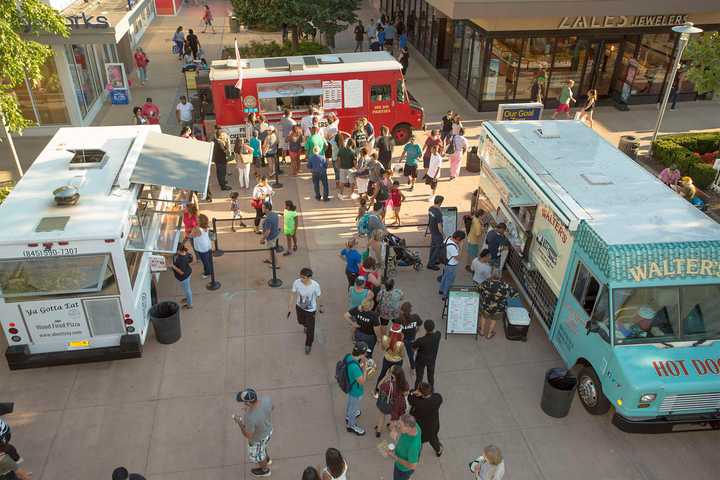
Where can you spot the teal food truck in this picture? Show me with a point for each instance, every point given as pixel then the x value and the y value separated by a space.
pixel 622 273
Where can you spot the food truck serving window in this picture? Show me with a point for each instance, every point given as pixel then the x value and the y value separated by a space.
pixel 55 275
pixel 664 314
pixel 276 97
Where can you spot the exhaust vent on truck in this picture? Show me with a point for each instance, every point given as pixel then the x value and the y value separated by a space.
pixel 88 158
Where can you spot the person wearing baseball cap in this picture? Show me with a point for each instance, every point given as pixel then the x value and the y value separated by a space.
pixel 256 427
pixel 357 370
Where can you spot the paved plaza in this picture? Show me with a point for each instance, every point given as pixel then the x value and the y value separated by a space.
pixel 167 415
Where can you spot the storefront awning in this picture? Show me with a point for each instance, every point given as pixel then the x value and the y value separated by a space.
pixel 517 193
pixel 171 161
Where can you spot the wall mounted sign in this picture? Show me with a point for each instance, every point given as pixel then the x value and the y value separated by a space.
pixel 621 21
pixel 87 21
pixel 520 111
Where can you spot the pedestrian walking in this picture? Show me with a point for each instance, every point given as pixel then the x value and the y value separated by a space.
pixel 352 373
pixel 184 112
pixel 408 443
pixel 404 57
pixel 489 465
pixel 335 465
pixel 396 200
pixel 437 235
pixel 393 390
pixel 433 140
pixel 270 231
pixel 137 117
pixel 432 175
pixel 389 299
pixel 151 112
pixel 207 19
pixel 452 250
pixel 235 209
pixel 243 158
pixel 359 32
pixel 364 322
pixel 589 107
pixel 385 145
pixel 202 245
pixel 352 258
pixel 290 216
pixel 181 268
pixel 565 98
pixel 393 351
pixel 674 90
pixel 426 350
pixel 256 426
pixel 318 164
pixel 193 43
pixel 178 39
pixel 459 144
pixel 221 154
pixel 410 155
pixel 262 193
pixel 494 293
pixel 410 323
pixel 305 295
pixel 141 63
pixel 425 407
pixel 447 122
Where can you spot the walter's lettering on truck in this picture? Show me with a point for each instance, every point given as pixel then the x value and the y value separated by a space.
pixel 683 368
pixel 678 267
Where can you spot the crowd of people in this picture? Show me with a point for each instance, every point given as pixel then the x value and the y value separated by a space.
pixel 385 34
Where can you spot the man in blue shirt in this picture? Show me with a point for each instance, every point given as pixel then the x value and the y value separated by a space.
pixel 318 166
pixel 270 228
pixel 353 259
pixel 496 239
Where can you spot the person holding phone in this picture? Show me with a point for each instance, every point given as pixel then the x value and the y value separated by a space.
pixel 257 428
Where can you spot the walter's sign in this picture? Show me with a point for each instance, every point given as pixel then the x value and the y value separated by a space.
pixel 520 111
pixel 678 267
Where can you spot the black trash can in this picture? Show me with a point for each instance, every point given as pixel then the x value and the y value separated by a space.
pixel 558 392
pixel 629 145
pixel 165 317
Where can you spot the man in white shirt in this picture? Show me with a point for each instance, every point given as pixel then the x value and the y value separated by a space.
pixel 305 294
pixel 452 256
pixel 306 122
pixel 371 30
pixel 480 267
pixel 183 113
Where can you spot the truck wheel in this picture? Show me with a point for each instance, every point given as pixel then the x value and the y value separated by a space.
pixel 591 393
pixel 401 133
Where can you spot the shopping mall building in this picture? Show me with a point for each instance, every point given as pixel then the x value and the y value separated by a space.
pixel 492 50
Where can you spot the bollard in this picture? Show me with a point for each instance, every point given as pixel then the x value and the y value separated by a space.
pixel 214 284
pixel 217 252
pixel 277 183
pixel 274 281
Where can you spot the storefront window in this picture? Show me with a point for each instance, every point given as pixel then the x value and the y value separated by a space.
pixel 456 57
pixel 87 82
pixel 570 56
pixel 534 66
pixel 466 59
pixel 476 65
pixel 43 101
pixel 628 58
pixel 502 69
pixel 653 59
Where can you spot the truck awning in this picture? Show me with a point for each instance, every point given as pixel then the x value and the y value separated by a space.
pixel 171 161
pixel 519 196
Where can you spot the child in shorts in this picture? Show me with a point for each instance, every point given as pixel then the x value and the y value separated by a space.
pixel 395 201
pixel 290 227
pixel 235 209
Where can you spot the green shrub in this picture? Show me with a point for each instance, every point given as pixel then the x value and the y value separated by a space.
pixel 256 49
pixel 679 149
pixel 4 192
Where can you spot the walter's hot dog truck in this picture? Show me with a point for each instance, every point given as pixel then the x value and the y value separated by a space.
pixel 352 85
pixel 77 236
pixel 622 273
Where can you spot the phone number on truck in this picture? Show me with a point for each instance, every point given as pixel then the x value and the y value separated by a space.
pixel 50 252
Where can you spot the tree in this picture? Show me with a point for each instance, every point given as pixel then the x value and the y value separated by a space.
pixel 703 51
pixel 20 56
pixel 334 16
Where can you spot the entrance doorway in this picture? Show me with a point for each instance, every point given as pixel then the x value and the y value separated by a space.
pixel 600 71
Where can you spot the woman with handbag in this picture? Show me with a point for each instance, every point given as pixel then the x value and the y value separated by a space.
pixel 243 157
pixel 393 390
pixel 432 174
pixel 262 193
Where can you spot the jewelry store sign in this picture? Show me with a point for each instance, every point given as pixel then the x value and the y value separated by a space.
pixel 621 21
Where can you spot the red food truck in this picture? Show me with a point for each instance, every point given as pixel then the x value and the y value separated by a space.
pixel 352 85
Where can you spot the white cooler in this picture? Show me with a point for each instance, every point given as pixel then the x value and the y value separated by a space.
pixel 517 320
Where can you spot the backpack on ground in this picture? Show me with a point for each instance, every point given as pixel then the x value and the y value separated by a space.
pixel 363 224
pixel 342 376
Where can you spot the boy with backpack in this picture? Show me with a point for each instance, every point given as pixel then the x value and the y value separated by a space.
pixel 351 373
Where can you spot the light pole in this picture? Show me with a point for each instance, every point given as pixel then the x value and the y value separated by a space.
pixel 685 31
pixel 11 145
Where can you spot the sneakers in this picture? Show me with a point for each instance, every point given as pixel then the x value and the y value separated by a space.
pixel 357 430
pixel 307 349
pixel 261 472
pixel 440 452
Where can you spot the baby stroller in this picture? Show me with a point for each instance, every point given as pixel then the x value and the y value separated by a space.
pixel 399 255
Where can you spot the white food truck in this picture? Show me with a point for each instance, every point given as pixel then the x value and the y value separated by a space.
pixel 77 234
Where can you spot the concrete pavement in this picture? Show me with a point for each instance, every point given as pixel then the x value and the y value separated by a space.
pixel 167 415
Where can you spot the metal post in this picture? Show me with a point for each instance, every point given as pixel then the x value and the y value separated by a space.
pixel 684 31
pixel 277 183
pixel 11 144
pixel 274 281
pixel 214 284
pixel 217 252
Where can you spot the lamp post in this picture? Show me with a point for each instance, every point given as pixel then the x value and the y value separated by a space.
pixel 11 144
pixel 685 31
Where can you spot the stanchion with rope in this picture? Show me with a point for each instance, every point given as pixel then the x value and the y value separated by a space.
pixel 214 284
pixel 277 183
pixel 274 282
pixel 217 252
